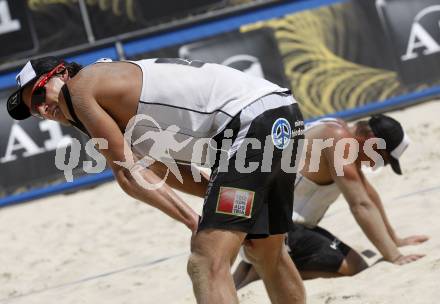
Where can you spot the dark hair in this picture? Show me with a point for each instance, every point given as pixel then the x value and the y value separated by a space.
pixel 73 68
pixel 363 128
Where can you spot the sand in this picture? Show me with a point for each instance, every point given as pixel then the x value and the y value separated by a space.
pixel 101 246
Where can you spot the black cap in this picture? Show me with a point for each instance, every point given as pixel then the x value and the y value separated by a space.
pixel 395 137
pixel 32 70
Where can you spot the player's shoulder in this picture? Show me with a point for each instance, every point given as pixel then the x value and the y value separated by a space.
pixel 80 80
pixel 337 129
pixel 88 77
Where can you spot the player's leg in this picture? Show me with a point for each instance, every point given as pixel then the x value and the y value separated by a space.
pixel 274 265
pixel 319 254
pixel 228 214
pixel 269 255
pixel 212 253
pixel 245 272
pixel 352 264
pixel 237 201
pixel 316 254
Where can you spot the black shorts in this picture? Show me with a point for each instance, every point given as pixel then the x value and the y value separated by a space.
pixel 315 249
pixel 259 202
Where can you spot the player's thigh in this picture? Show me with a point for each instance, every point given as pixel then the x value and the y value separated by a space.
pixel 217 243
pixel 268 248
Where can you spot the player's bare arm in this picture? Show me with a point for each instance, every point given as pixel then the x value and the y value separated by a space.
pixel 189 173
pixel 400 242
pixel 363 209
pixel 101 125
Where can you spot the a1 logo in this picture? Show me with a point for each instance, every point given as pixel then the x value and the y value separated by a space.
pixel 420 36
pixel 7 24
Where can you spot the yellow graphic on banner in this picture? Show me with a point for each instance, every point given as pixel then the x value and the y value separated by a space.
pixel 322 81
pixel 117 7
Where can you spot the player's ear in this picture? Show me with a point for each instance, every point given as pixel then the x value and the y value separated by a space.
pixel 65 76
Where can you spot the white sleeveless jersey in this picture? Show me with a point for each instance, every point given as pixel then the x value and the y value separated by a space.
pixel 311 201
pixel 188 100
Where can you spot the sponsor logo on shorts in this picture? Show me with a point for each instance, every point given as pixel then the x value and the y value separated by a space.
pixel 233 201
pixel 335 244
pixel 281 133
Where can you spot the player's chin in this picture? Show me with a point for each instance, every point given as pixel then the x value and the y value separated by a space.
pixel 59 117
pixel 65 123
pixel 63 120
pixel 50 117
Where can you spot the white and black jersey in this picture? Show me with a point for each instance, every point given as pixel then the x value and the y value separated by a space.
pixel 198 98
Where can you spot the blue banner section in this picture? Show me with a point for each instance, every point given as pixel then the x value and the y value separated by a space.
pixel 81 182
pixel 383 106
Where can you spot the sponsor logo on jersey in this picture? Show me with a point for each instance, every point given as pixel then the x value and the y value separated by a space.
pixel 281 133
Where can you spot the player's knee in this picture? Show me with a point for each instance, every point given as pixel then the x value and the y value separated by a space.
pixel 194 265
pixel 258 254
pixel 250 253
pixel 207 265
pixel 361 265
pixel 349 271
pixel 301 294
pixel 352 265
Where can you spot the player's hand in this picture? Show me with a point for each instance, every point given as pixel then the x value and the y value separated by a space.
pixel 412 240
pixel 406 259
pixel 194 225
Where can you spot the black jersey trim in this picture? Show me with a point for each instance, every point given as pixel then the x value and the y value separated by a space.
pixel 76 122
pixel 183 108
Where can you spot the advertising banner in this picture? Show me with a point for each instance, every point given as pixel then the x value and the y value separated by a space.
pixel 335 57
pixel 16 34
pixel 254 52
pixel 47 26
pixel 119 17
pixel 413 28
pixel 40 26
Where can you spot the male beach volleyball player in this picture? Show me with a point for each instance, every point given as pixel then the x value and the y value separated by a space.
pixel 315 251
pixel 194 100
